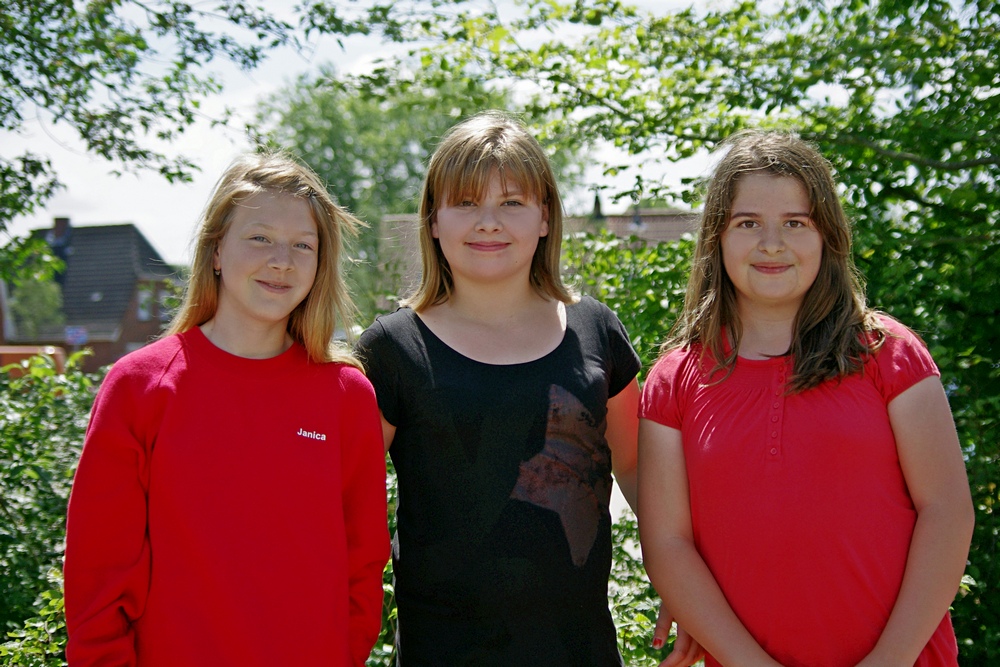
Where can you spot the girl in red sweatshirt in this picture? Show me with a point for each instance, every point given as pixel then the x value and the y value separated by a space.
pixel 229 506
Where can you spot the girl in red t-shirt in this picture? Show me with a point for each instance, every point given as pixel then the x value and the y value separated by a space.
pixel 802 493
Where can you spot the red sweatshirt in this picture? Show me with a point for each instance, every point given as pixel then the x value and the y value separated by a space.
pixel 227 511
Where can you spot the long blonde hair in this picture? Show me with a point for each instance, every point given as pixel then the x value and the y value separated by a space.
pixel 834 329
pixel 463 164
pixel 313 322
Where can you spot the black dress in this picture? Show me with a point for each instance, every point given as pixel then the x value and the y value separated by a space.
pixel 502 549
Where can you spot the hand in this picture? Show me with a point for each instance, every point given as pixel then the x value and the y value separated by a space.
pixel 686 650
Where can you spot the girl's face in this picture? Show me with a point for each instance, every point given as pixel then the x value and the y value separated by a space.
pixel 492 237
pixel 771 248
pixel 267 258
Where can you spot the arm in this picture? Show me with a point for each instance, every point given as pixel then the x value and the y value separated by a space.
pixel 686 650
pixel 365 522
pixel 622 436
pixel 931 459
pixel 388 433
pixel 673 563
pixel 107 565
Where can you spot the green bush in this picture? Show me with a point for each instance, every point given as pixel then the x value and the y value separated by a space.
pixel 43 419
pixel 41 642
pixel 44 416
pixel 643 284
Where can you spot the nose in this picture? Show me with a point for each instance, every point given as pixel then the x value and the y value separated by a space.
pixel 281 256
pixel 771 238
pixel 489 219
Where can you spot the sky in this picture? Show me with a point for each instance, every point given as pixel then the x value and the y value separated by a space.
pixel 166 213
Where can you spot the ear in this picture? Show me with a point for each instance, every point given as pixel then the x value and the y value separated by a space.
pixel 544 231
pixel 216 262
pixel 434 226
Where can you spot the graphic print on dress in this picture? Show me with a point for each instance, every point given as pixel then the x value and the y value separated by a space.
pixel 566 476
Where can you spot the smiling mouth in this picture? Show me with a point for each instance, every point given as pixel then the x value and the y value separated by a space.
pixel 274 286
pixel 487 246
pixel 772 268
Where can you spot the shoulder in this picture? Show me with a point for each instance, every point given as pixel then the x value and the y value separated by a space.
pixel 588 306
pixel 140 381
pixel 899 338
pixel 681 360
pixel 669 385
pixel 149 361
pixel 386 336
pixel 590 314
pixel 401 320
pixel 894 327
pixel 350 379
pixel 901 361
pixel 400 324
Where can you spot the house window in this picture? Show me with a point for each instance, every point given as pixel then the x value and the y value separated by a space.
pixel 144 311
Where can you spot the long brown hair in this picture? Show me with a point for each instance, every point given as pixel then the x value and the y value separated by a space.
pixel 834 330
pixel 463 164
pixel 328 303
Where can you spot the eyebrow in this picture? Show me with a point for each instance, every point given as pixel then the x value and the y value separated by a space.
pixel 749 214
pixel 268 226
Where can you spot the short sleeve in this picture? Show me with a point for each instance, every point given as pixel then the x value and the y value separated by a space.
pixel 625 363
pixel 662 394
pixel 378 355
pixel 902 361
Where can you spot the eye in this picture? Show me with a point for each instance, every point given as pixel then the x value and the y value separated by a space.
pixel 304 246
pixel 745 223
pixel 258 237
pixel 467 202
pixel 795 224
pixel 513 202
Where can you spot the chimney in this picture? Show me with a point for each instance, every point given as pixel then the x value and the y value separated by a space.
pixel 60 239
pixel 60 227
pixel 597 214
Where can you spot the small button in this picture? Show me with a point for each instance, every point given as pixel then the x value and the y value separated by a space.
pixel 777 392
pixel 774 418
pixel 774 451
pixel 774 434
pixel 776 405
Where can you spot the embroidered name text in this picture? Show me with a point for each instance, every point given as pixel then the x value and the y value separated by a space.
pixel 311 434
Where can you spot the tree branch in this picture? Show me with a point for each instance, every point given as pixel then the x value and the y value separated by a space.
pixel 903 156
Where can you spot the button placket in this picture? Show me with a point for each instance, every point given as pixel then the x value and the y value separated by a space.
pixel 776 415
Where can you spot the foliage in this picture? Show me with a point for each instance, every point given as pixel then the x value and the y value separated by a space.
pixel 384 652
pixel 371 144
pixel 42 423
pixel 643 284
pixel 36 306
pixel 42 640
pixel 902 97
pixel 128 77
pixel 372 152
pixel 117 75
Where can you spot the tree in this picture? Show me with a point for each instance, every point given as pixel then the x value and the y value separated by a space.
pixel 36 305
pixel 371 145
pixel 904 99
pixel 128 77
pixel 41 433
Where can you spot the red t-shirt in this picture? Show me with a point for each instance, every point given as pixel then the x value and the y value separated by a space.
pixel 798 502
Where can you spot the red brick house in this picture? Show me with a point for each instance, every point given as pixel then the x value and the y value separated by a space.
pixel 114 286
